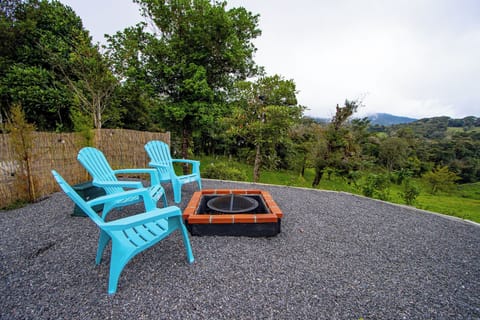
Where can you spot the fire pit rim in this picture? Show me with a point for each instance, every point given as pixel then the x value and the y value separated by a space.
pixel 253 204
pixel 192 216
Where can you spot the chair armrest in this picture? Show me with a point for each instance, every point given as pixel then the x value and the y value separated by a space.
pixel 163 169
pixel 143 192
pixel 195 164
pixel 139 219
pixel 154 178
pixel 186 161
pixel 120 184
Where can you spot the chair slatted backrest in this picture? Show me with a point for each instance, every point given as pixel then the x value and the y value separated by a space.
pixel 97 165
pixel 159 152
pixel 77 199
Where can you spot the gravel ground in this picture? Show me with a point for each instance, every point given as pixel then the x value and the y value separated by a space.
pixel 339 256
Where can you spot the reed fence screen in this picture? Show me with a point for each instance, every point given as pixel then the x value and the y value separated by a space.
pixel 122 148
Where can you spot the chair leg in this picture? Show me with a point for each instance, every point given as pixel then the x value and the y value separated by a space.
pixel 177 191
pixel 164 199
pixel 199 182
pixel 118 261
pixel 103 240
pixel 186 241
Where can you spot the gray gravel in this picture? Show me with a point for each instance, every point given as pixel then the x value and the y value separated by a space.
pixel 338 256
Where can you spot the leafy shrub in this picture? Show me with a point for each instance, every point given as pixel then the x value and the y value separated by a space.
pixel 223 171
pixel 399 176
pixel 409 192
pixel 377 186
pixel 440 179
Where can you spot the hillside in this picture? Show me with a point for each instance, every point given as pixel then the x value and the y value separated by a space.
pixel 377 119
pixel 385 119
pixel 438 127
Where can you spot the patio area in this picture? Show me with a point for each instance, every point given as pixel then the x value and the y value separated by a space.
pixel 338 256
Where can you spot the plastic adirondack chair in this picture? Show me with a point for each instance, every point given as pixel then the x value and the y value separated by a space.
pixel 105 177
pixel 130 235
pixel 159 153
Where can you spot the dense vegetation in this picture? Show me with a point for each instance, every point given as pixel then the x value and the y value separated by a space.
pixel 195 75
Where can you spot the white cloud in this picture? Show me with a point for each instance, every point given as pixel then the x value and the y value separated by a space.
pixel 411 58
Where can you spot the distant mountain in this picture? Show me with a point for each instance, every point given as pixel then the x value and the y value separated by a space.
pixel 385 119
pixel 320 120
pixel 382 119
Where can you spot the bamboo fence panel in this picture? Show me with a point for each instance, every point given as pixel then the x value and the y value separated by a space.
pixel 122 148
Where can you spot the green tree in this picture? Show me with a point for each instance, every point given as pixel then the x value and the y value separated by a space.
pixel 409 191
pixel 91 81
pixel 134 97
pixel 43 97
pixel 303 136
pixel 377 186
pixel 440 179
pixel 196 53
pixel 337 147
pixel 34 31
pixel 22 141
pixel 393 153
pixel 265 112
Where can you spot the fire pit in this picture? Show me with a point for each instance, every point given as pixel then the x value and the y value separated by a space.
pixel 233 212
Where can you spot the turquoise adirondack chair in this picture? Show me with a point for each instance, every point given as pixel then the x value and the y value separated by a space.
pixel 105 177
pixel 130 235
pixel 159 153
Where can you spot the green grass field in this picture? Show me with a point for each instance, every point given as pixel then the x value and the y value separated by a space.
pixel 463 202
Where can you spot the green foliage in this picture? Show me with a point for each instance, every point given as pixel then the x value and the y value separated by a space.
pixel 393 153
pixel 263 114
pixel 39 38
pixel 431 128
pixel 377 186
pixel 469 190
pixel 339 143
pixel 21 133
pixel 198 51
pixel 223 171
pixel 440 179
pixel 84 124
pixel 44 97
pixel 90 80
pixel 303 138
pixel 409 191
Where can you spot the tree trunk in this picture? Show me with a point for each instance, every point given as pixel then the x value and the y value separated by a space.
pixel 304 163
pixel 318 177
pixel 185 145
pixel 257 164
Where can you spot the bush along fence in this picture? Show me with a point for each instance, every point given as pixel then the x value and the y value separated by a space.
pixel 27 159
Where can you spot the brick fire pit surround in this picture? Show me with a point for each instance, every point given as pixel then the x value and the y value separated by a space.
pixel 254 224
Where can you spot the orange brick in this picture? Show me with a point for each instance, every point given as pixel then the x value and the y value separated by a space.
pixel 223 191
pixel 262 218
pixel 222 218
pixel 199 219
pixel 266 196
pixel 239 191
pixel 196 197
pixel 188 212
pixel 244 218
pixel 207 191
pixel 276 211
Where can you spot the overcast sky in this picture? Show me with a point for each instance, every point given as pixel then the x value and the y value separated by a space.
pixel 409 58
